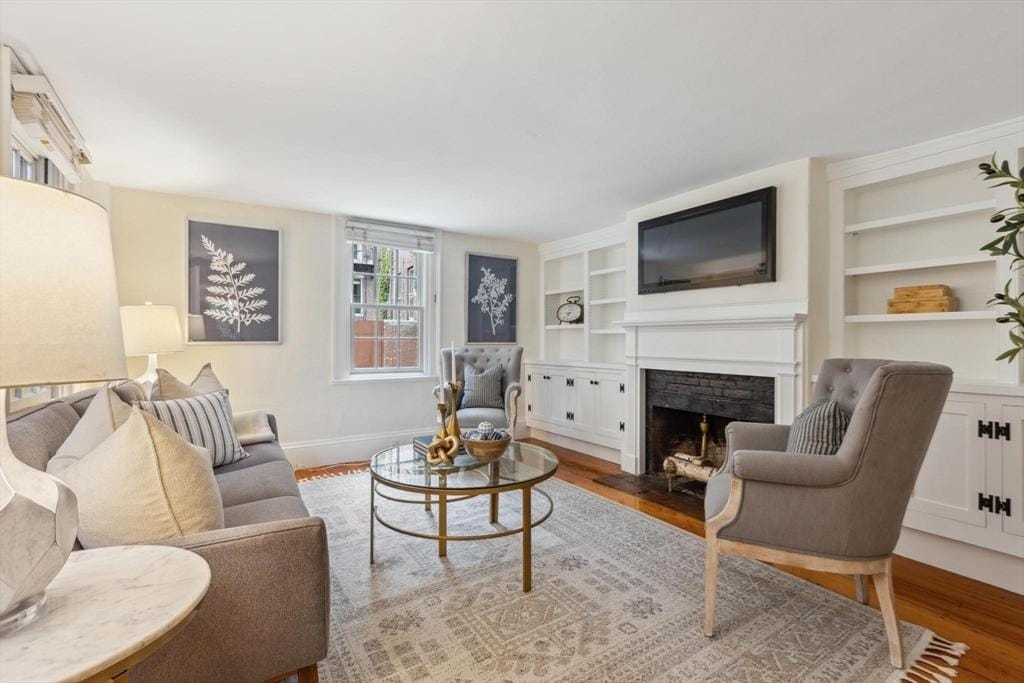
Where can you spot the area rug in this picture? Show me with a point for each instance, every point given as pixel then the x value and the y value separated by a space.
pixel 617 597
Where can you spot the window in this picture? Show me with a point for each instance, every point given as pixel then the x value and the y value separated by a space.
pixel 387 309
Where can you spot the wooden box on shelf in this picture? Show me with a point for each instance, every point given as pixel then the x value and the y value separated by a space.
pixel 922 299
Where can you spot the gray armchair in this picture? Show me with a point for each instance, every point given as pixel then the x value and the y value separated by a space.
pixel 508 358
pixel 840 513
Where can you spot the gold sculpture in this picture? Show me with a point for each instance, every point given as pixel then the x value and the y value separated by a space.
pixel 445 445
pixel 453 420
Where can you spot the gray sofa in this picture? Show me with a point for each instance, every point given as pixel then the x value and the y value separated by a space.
pixel 266 612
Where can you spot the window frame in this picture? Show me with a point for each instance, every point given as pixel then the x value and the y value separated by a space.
pixel 343 344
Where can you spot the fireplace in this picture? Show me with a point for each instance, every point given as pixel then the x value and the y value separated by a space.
pixel 677 402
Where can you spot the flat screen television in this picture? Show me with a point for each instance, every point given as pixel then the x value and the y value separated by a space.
pixel 725 243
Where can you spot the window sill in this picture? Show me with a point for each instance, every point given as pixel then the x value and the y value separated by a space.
pixel 386 377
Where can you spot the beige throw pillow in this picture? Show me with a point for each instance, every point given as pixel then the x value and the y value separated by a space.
pixel 106 412
pixel 252 426
pixel 143 483
pixel 168 387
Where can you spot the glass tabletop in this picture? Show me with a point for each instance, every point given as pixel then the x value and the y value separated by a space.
pixel 520 464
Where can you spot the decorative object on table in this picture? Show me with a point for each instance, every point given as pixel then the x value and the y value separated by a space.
pixel 168 386
pixel 922 299
pixel 491 290
pixel 59 323
pixel 509 359
pixel 455 395
pixel 163 586
pixel 148 331
pixel 695 467
pixel 444 446
pixel 571 312
pixel 756 506
pixel 233 283
pixel 1008 243
pixel 485 443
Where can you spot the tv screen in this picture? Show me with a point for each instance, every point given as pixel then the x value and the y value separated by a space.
pixel 729 242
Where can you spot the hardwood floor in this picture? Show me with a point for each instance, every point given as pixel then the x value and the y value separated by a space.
pixel 990 620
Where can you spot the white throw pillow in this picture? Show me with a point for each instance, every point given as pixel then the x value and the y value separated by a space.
pixel 168 387
pixel 252 426
pixel 143 483
pixel 106 412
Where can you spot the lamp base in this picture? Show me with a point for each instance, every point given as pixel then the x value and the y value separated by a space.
pixel 23 614
pixel 148 378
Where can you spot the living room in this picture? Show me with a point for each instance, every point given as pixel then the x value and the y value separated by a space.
pixel 497 341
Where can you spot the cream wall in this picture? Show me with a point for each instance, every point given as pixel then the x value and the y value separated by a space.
pixel 790 291
pixel 321 421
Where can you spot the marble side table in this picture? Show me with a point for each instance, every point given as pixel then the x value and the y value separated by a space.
pixel 106 610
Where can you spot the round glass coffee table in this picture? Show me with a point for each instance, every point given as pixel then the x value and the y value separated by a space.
pixel 520 468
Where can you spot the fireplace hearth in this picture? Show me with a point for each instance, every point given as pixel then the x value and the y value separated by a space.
pixel 677 402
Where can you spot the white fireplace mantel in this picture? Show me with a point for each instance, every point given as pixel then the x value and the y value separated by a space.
pixel 766 346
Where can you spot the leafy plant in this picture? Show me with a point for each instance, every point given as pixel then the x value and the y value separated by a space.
pixel 230 297
pixel 491 297
pixel 1008 243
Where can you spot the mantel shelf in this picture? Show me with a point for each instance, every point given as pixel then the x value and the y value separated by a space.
pixel 917 265
pixel 921 317
pixel 608 271
pixel 921 216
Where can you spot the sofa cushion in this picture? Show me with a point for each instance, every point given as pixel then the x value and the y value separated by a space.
pixel 143 483
pixel 203 420
pixel 168 387
pixel 36 433
pixel 266 510
pixel 106 412
pixel 259 453
pixel 269 480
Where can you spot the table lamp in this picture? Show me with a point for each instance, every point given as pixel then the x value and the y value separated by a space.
pixel 59 324
pixel 150 330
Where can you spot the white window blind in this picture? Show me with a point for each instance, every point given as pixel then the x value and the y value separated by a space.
pixel 409 237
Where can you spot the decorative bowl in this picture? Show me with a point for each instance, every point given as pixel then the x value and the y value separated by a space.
pixel 486 451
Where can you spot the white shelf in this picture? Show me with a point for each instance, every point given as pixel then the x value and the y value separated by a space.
pixel 563 327
pixel 608 271
pixel 562 290
pixel 921 216
pixel 917 265
pixel 606 302
pixel 921 317
pixel 608 331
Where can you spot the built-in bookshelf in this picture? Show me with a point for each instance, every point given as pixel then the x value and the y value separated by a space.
pixel 595 271
pixel 916 220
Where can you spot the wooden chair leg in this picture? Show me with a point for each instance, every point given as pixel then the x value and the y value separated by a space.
pixel 710 581
pixel 309 674
pixel 861 582
pixel 887 604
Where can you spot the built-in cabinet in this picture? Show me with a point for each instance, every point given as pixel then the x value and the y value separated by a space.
pixel 577 401
pixel 578 388
pixel 919 216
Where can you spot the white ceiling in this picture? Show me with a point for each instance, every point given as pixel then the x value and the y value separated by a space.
pixel 536 120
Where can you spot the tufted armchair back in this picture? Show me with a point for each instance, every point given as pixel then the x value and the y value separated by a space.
pixel 509 358
pixel 843 380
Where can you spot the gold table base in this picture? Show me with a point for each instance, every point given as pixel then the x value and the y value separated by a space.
pixel 443 499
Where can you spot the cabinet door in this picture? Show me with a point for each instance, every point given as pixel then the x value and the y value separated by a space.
pixel 1011 457
pixel 562 396
pixel 587 410
pixel 611 406
pixel 538 400
pixel 953 473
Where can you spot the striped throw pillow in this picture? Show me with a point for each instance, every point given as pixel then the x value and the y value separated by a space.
pixel 819 429
pixel 201 420
pixel 483 388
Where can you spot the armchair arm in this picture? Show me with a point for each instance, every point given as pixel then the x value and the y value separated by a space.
pixel 793 469
pixel 272 421
pixel 756 436
pixel 266 612
pixel 512 392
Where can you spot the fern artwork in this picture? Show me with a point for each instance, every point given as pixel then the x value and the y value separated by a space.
pixel 491 293
pixel 1010 222
pixel 233 283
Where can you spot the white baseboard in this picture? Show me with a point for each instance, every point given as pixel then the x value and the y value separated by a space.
pixel 981 564
pixel 354 448
pixel 596 450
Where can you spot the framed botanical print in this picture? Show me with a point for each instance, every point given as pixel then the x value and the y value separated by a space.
pixel 234 283
pixel 492 299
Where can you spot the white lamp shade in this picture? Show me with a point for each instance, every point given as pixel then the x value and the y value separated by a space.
pixel 150 329
pixel 59 320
